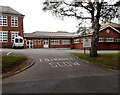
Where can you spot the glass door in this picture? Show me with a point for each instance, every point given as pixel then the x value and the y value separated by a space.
pixel 46 44
pixel 29 43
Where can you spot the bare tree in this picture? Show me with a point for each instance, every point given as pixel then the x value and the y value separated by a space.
pixel 96 11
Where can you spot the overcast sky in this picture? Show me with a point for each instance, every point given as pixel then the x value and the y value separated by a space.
pixel 37 20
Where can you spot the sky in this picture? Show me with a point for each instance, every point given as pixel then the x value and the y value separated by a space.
pixel 37 20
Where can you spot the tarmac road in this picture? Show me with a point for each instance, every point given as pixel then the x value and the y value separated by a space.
pixel 56 71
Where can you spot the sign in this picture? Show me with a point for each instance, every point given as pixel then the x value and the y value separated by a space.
pixel 86 43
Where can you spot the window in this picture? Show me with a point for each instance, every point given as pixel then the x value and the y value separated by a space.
pixel 109 39
pixel 76 41
pixel 55 42
pixel 82 40
pixel 16 40
pixel 3 36
pixel 39 42
pixel 101 39
pixel 3 20
pixel 35 42
pixel 13 35
pixel 66 42
pixel 21 40
pixel 14 21
pixel 117 39
pixel 108 31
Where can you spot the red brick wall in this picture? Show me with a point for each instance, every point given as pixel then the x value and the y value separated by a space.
pixel 61 45
pixel 50 46
pixel 106 45
pixel 19 28
pixel 80 45
pixel 112 33
pixel 109 46
pixel 38 46
pixel 9 28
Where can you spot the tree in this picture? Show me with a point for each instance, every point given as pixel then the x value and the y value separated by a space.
pixel 95 11
pixel 84 31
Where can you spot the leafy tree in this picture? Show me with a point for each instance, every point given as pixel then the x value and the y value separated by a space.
pixel 95 11
pixel 84 31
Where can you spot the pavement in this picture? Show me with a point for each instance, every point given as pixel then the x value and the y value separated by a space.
pixel 56 71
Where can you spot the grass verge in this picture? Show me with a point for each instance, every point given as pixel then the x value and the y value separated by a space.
pixel 8 61
pixel 106 60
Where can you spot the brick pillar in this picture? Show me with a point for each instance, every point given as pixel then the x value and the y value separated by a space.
pixel 60 42
pixel 71 44
pixel 9 38
pixel 25 43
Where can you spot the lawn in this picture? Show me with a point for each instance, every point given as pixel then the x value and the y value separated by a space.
pixel 106 60
pixel 10 60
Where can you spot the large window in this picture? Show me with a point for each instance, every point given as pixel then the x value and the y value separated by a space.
pixel 14 21
pixel 101 39
pixel 3 20
pixel 109 39
pixel 66 42
pixel 55 42
pixel 117 39
pixel 76 41
pixel 13 35
pixel 3 36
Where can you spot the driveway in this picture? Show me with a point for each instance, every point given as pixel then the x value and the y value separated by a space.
pixel 56 71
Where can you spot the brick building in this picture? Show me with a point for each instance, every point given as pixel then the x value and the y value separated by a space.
pixel 41 39
pixel 109 38
pixel 11 25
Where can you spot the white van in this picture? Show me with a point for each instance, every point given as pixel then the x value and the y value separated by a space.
pixel 18 42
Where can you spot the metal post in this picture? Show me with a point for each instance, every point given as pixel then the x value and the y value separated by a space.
pixel 84 50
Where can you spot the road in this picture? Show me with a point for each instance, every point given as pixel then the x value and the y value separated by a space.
pixel 56 71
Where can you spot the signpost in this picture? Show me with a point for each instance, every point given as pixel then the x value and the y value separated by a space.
pixel 86 43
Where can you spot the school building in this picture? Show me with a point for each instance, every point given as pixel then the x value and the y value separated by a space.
pixel 11 25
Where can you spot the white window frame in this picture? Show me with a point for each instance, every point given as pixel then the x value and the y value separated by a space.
pixel 55 42
pixel 76 41
pixel 65 42
pixel 109 39
pixel 13 35
pixel 14 21
pixel 82 40
pixel 117 39
pixel 39 42
pixel 3 21
pixel 35 42
pixel 4 36
pixel 101 39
